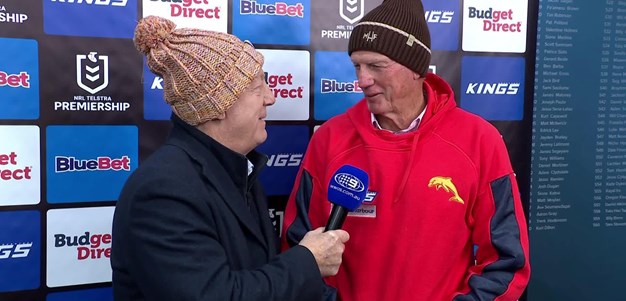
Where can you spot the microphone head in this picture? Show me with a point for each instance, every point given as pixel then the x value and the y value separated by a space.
pixel 348 187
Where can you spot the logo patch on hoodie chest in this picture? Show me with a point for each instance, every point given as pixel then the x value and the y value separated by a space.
pixel 367 209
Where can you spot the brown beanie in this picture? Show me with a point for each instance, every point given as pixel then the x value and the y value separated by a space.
pixel 397 29
pixel 203 72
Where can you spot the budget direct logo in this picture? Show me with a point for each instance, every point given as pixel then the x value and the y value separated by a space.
pixel 287 73
pixel 443 18
pixel 497 94
pixel 90 18
pixel 89 163
pixel 78 246
pixel 202 14
pixel 336 86
pixel 19 79
pixel 20 170
pixel 285 147
pixel 272 22
pixel 88 246
pixel 20 250
pixel 495 26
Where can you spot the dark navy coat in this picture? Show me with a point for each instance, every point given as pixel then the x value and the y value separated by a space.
pixel 190 224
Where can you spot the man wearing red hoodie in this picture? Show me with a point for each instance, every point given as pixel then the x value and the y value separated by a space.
pixel 442 220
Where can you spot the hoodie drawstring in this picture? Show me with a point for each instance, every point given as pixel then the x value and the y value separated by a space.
pixel 409 167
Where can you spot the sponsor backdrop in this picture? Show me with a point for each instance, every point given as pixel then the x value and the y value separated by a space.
pixel 79 110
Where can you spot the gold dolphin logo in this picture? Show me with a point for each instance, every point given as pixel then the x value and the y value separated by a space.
pixel 448 186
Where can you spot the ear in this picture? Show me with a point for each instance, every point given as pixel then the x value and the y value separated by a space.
pixel 416 76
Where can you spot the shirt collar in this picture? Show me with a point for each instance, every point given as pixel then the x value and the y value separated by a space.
pixel 413 126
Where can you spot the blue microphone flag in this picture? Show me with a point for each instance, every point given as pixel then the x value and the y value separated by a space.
pixel 348 187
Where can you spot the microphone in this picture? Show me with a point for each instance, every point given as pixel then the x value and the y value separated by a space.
pixel 346 190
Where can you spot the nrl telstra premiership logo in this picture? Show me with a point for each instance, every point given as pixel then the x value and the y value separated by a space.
pixel 351 7
pixel 96 70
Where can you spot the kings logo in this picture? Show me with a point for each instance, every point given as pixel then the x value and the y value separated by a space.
pixel 92 72
pixel 353 8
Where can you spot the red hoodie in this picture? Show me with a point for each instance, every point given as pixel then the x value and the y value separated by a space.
pixel 434 195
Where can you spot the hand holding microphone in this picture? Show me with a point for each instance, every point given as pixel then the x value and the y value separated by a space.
pixel 346 190
pixel 327 248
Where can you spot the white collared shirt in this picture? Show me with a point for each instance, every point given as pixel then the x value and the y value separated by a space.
pixel 413 126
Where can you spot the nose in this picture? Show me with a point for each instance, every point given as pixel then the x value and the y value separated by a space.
pixel 364 78
pixel 269 98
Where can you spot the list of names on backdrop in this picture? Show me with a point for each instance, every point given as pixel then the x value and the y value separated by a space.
pixel 579 108
pixel 610 152
pixel 577 214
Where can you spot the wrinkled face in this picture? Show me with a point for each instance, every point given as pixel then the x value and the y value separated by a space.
pixel 244 120
pixel 388 86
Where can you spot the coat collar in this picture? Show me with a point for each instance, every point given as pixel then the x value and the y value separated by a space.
pixel 218 163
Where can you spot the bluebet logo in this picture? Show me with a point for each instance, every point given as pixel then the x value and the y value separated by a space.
pixel 19 250
pixel 336 87
pixel 15 80
pixel 285 22
pixel 89 163
pixel 90 18
pixel 497 94
pixel 19 79
pixel 69 164
pixel 285 147
pixel 272 9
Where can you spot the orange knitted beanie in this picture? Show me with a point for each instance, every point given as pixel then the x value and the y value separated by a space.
pixel 203 72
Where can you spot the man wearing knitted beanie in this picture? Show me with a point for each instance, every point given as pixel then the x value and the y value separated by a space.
pixel 443 219
pixel 191 222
